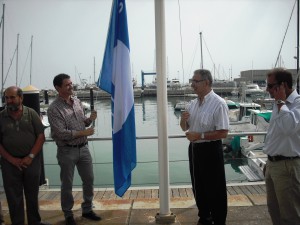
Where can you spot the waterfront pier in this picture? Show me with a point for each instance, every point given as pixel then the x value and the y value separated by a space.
pixel 139 206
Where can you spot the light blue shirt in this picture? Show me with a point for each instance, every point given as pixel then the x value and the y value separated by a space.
pixel 283 137
pixel 211 115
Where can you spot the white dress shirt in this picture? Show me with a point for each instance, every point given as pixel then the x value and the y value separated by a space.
pixel 283 137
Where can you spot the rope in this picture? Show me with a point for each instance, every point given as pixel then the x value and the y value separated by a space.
pixel 181 40
pixel 24 67
pixel 285 34
pixel 11 61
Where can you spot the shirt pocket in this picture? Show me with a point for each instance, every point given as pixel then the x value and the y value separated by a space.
pixel 205 120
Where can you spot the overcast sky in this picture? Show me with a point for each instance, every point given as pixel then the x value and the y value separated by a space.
pixel 68 34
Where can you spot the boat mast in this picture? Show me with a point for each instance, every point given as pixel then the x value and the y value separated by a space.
pixel 2 84
pixel 31 59
pixel 201 64
pixel 17 61
pixel 298 45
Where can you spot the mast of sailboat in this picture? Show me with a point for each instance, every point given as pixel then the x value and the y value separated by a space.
pixel 298 45
pixel 31 59
pixel 2 80
pixel 201 64
pixel 17 59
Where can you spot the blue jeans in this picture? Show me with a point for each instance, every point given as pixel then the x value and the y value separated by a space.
pixel 68 158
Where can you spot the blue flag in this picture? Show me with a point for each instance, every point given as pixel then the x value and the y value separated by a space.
pixel 115 78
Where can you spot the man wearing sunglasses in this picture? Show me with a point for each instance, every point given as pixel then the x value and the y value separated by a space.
pixel 282 145
pixel 207 121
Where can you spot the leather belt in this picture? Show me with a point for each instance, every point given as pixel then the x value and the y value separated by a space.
pixel 77 146
pixel 281 157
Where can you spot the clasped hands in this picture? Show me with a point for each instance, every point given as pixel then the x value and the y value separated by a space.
pixel 22 163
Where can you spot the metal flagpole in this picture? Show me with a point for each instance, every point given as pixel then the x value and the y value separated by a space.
pixel 164 215
pixel 298 45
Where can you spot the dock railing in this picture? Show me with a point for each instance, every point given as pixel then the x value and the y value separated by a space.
pixel 146 173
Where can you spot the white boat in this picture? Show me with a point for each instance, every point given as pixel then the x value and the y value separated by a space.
pixel 44 118
pixel 86 106
pixel 251 146
pixel 175 83
pixel 180 106
pixel 233 110
pixel 256 160
pixel 224 87
pixel 251 118
pixel 266 103
pixel 253 90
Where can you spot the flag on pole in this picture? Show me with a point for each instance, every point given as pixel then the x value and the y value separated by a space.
pixel 115 78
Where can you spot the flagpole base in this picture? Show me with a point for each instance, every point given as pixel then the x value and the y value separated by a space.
pixel 165 219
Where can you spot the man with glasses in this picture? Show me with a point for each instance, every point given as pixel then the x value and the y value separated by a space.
pixel 282 145
pixel 206 121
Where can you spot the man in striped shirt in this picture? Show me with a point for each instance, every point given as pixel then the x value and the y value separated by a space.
pixel 206 122
pixel 69 130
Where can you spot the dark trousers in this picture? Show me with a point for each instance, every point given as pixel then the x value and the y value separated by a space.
pixel 208 180
pixel 16 183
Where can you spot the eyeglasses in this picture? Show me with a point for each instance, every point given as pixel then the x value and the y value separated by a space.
pixel 197 81
pixel 270 86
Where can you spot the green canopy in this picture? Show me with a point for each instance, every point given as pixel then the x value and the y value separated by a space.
pixel 265 115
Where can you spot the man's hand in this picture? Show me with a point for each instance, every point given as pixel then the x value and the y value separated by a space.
pixel 185 116
pixel 26 161
pixel 192 136
pixel 89 131
pixel 93 115
pixel 16 162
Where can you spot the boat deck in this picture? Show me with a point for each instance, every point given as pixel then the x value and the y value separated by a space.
pixel 246 201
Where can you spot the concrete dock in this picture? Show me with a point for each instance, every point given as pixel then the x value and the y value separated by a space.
pixel 246 201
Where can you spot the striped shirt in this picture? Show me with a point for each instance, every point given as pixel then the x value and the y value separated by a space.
pixel 65 120
pixel 211 115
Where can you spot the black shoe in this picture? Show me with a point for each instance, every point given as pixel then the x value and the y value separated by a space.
pixel 91 216
pixel 70 220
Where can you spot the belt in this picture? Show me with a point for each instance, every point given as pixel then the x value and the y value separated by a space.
pixel 281 157
pixel 77 146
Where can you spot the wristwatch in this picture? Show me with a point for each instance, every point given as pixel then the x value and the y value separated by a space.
pixel 31 155
pixel 280 102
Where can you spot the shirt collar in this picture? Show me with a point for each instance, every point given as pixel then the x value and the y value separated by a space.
pixel 206 97
pixel 6 114
pixel 291 98
pixel 64 100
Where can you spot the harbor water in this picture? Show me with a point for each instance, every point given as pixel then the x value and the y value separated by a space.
pixel 146 171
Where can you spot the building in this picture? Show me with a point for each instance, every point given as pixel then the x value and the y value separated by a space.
pixel 258 77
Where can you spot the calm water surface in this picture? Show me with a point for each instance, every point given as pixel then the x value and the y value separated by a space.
pixel 146 172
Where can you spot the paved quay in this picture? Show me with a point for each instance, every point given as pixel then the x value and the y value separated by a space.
pixel 247 206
